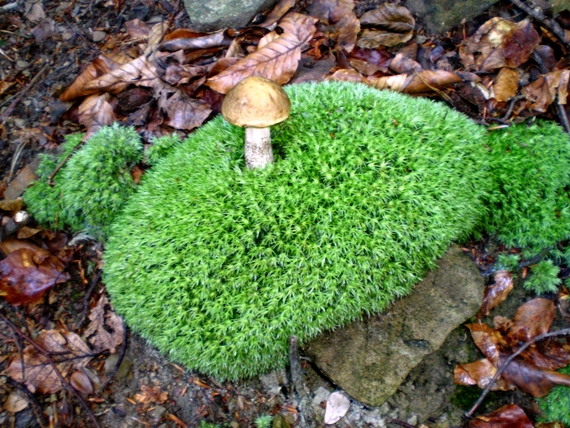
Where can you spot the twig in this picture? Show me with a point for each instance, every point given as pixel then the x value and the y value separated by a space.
pixel 512 103
pixel 62 379
pixel 563 332
pixel 551 24
pixel 86 299
pixel 24 91
pixel 62 163
pixel 119 360
pixel 31 399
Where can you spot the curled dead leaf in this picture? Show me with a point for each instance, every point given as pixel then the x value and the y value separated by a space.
pixel 506 84
pixel 106 329
pixel 544 90
pixel 278 60
pixel 392 24
pixel 423 81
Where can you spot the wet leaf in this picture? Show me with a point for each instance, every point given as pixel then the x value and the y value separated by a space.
pixel 392 25
pixel 499 43
pixel 68 351
pixel 28 272
pixel 506 417
pixel 480 373
pixel 497 292
pixel 533 380
pixel 106 329
pixel 415 83
pixel 341 14
pixel 506 84
pixel 487 340
pixel 532 319
pixel 278 60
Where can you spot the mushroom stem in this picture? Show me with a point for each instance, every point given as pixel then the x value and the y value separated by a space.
pixel 258 151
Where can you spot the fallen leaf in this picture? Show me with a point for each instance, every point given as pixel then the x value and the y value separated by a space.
pixel 137 29
pixel 200 42
pixel 543 91
pixel 415 83
pixel 106 329
pixel 28 272
pixel 480 373
pixel 94 112
pixel 497 293
pixel 403 64
pixel 499 43
pixel 81 382
pixel 276 61
pixel 182 111
pixel 68 352
pixel 506 84
pixel 277 13
pixel 532 319
pixel 151 395
pixel 16 402
pixel 346 75
pixel 337 406
pixel 392 25
pixel 506 417
pixel 341 14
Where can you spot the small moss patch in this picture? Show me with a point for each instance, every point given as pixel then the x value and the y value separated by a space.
pixel 217 265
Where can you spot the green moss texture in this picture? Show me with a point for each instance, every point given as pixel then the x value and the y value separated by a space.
pixel 93 185
pixel 217 265
pixel 529 204
pixel 556 405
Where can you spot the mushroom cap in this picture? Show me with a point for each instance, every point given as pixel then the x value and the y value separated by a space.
pixel 256 102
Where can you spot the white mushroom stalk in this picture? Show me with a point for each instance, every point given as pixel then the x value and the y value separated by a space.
pixel 256 103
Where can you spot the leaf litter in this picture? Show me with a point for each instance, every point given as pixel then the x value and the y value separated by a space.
pixel 163 79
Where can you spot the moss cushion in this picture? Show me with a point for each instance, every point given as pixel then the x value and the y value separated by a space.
pixel 217 265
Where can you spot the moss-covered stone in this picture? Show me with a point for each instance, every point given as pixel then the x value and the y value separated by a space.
pixel 217 265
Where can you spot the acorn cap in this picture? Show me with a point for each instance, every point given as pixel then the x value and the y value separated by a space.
pixel 256 102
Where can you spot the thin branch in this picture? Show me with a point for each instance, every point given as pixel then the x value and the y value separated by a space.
pixel 62 379
pixel 86 299
pixel 563 332
pixel 551 24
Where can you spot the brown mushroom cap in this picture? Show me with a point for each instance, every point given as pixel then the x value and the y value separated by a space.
pixel 256 102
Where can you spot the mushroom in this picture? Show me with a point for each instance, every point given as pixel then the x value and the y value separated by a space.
pixel 256 103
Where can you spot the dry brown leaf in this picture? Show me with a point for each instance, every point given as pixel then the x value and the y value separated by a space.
pixel 415 83
pixel 137 29
pixel 543 91
pixel 106 329
pixel 346 75
pixel 94 112
pixel 269 37
pixel 182 111
pixel 99 67
pixel 16 402
pixel 497 293
pixel 506 84
pixel 151 395
pixel 506 417
pixel 402 64
pixel 499 43
pixel 341 14
pixel 67 347
pixel 277 13
pixel 28 272
pixel 277 61
pixel 392 25
pixel 201 42
pixel 532 319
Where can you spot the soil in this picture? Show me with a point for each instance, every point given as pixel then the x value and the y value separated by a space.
pixel 37 62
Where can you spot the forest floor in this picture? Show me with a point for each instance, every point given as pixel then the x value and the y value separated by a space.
pixel 114 378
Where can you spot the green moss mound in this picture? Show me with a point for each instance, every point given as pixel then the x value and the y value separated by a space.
pixel 93 185
pixel 529 205
pixel 217 265
pixel 556 405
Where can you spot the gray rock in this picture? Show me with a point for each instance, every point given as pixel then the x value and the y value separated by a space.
pixel 369 359
pixel 221 14
pixel 439 16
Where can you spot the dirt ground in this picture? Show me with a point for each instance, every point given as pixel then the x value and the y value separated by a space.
pixel 48 49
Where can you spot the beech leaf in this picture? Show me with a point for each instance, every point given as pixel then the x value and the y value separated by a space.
pixel 66 347
pixel 278 60
pixel 392 25
pixel 341 14
pixel 415 83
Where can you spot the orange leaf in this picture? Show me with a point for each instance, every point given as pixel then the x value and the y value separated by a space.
pixel 497 292
pixel 416 83
pixel 278 60
pixel 506 417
